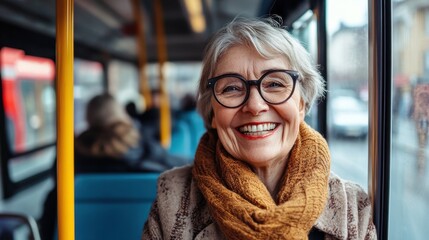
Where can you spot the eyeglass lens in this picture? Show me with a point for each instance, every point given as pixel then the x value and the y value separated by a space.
pixel 274 88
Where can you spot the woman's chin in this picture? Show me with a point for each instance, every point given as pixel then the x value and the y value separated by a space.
pixel 263 157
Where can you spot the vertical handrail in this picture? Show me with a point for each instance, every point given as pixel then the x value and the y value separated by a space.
pixel 64 97
pixel 165 119
pixel 142 56
pixel 379 141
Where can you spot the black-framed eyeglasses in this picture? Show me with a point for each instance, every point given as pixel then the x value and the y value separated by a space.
pixel 274 86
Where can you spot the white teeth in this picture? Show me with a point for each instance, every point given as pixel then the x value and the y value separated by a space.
pixel 248 129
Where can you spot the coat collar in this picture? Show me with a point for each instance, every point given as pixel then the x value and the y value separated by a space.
pixel 334 218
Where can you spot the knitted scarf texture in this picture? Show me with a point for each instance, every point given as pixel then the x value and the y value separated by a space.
pixel 242 206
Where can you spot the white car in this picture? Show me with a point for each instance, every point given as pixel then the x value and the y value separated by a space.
pixel 348 116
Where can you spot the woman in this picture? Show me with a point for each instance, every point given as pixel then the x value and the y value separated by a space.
pixel 259 172
pixel 114 142
pixel 111 133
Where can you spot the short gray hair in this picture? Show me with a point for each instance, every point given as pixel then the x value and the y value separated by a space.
pixel 269 39
pixel 103 110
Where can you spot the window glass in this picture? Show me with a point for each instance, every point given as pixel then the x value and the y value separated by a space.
pixel 28 165
pixel 426 62
pixel 305 29
pixel 39 107
pixel 426 23
pixel 409 176
pixel 347 75
pixel 88 82
pixel 181 79
pixel 124 82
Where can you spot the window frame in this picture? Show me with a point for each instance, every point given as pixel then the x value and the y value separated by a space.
pixel 380 116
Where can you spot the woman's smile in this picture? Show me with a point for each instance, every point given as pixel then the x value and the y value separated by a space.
pixel 257 130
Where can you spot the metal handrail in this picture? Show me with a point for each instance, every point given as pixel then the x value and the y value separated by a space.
pixel 64 97
pixel 165 118
pixel 142 53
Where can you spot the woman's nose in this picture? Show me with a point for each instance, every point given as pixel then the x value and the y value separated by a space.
pixel 255 104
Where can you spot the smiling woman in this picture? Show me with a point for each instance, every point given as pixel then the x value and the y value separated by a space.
pixel 260 171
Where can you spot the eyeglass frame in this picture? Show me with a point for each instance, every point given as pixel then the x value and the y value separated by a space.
pixel 248 83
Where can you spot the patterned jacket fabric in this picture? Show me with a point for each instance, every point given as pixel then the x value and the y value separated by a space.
pixel 180 211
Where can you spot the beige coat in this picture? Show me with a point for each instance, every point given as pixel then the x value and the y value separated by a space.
pixel 180 211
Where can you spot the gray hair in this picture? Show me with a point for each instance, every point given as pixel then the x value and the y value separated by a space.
pixel 269 39
pixel 103 110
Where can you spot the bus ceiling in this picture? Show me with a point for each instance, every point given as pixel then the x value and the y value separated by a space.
pixel 109 26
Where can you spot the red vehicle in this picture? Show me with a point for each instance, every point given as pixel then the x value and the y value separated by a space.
pixel 28 98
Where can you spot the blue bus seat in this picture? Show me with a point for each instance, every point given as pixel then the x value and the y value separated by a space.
pixel 181 139
pixel 113 205
pixel 196 124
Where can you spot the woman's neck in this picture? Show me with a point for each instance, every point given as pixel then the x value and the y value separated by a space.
pixel 272 175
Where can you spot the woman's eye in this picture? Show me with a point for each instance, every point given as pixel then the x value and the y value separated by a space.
pixel 229 89
pixel 230 86
pixel 274 84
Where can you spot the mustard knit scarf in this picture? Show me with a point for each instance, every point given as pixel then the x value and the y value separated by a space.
pixel 241 204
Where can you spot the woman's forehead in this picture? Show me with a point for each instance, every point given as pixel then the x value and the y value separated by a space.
pixel 244 58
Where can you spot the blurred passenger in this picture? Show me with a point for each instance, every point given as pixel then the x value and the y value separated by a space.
pixel 114 142
pixel 151 116
pixel 136 107
pixel 188 103
pixel 150 119
pixel 131 109
pixel 111 137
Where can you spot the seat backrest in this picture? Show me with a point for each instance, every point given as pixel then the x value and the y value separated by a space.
pixel 196 125
pixel 181 139
pixel 113 206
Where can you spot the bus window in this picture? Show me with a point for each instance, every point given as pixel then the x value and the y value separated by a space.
pixel 181 79
pixel 123 82
pixel 409 171
pixel 39 107
pixel 347 74
pixel 305 29
pixel 88 82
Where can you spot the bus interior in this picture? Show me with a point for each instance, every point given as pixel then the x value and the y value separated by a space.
pixel 374 56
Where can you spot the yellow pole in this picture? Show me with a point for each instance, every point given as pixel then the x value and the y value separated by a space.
pixel 65 144
pixel 165 120
pixel 141 44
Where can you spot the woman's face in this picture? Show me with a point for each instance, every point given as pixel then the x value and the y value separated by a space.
pixel 267 147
